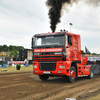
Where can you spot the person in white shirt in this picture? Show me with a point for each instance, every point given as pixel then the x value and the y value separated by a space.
pixel 26 61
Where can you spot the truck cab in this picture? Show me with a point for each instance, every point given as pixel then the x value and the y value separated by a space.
pixel 56 54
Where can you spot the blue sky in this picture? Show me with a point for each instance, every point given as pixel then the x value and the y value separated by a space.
pixel 21 19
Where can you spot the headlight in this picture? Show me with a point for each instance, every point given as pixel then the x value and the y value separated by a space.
pixel 58 53
pixel 61 66
pixel 36 53
pixel 34 66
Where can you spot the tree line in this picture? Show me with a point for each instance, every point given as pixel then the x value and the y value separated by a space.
pixel 15 49
pixel 95 54
pixel 11 48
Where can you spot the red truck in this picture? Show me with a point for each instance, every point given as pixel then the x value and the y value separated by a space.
pixel 59 54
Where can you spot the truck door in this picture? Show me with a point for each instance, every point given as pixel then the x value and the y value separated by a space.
pixel 76 48
pixel 69 49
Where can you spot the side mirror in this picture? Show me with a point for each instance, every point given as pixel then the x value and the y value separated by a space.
pixel 32 42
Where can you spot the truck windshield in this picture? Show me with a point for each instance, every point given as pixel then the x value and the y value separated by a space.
pixel 49 40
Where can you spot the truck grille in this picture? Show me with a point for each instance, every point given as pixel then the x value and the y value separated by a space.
pixel 48 58
pixel 47 66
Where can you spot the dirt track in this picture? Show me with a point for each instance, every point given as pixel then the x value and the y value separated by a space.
pixel 26 86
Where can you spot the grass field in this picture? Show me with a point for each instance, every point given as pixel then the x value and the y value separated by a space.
pixel 13 69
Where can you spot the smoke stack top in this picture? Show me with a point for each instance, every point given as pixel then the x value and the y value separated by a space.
pixel 55 7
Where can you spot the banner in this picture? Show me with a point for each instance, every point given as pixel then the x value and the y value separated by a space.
pixel 93 58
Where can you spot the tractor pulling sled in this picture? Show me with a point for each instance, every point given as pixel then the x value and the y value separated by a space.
pixel 59 54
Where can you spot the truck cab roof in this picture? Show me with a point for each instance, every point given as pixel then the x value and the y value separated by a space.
pixel 55 33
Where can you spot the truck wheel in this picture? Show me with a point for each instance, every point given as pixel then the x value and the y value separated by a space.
pixel 43 77
pixel 91 76
pixel 72 76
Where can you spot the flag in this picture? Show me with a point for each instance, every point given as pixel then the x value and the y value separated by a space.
pixel 87 51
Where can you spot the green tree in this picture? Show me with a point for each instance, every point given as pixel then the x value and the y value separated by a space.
pixel 95 54
pixel 10 48
pixel 1 48
pixel 6 55
pixel 20 47
pixel 82 52
pixel 15 53
pixel 13 49
pixel 5 48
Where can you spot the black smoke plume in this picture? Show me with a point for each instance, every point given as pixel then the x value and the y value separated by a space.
pixel 55 11
pixel 55 7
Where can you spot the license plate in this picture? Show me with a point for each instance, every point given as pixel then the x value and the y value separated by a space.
pixel 46 72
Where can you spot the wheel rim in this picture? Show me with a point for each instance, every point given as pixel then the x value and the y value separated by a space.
pixel 91 74
pixel 73 74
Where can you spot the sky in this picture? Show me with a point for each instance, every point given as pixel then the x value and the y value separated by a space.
pixel 21 19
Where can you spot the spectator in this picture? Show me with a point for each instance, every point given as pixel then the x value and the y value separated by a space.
pixel 4 59
pixel 0 62
pixel 26 61
pixel 0 59
pixel 11 61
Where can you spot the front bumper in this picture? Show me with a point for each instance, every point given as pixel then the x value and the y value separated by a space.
pixel 56 72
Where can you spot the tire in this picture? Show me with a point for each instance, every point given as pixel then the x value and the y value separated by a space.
pixel 91 76
pixel 72 76
pixel 43 77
